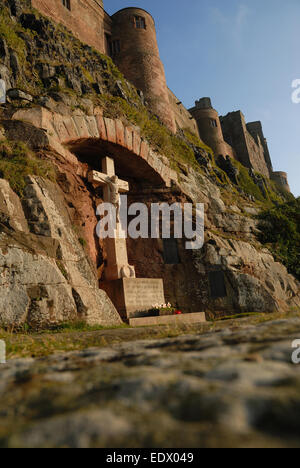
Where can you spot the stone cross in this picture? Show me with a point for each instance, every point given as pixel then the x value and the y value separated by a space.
pixel 116 249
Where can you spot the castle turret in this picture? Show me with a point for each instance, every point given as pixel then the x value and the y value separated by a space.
pixel 135 51
pixel 281 179
pixel 210 128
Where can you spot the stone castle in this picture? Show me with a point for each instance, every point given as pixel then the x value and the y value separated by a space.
pixel 129 37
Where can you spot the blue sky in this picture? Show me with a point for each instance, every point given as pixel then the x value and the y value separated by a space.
pixel 244 54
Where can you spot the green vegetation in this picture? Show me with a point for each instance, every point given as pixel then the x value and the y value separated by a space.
pixel 62 269
pixel 10 35
pixel 267 197
pixel 79 336
pixel 82 242
pixel 17 162
pixel 280 230
pixel 194 140
pixel 161 139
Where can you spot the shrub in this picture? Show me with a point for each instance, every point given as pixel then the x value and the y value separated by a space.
pixel 17 162
pixel 280 229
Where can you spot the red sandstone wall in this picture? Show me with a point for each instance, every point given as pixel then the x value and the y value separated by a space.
pixel 85 20
pixel 182 115
pixel 249 153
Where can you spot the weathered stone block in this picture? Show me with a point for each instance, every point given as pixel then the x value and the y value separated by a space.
pixel 111 130
pixel 136 143
pixel 101 127
pixel 120 133
pixel 129 138
pixel 81 125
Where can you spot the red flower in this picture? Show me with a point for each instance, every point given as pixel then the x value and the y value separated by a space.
pixel 178 312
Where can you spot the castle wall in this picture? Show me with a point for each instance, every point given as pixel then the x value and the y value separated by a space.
pixel 256 130
pixel 85 19
pixel 249 152
pixel 137 56
pixel 183 117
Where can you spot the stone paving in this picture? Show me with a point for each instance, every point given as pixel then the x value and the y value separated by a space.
pixel 233 387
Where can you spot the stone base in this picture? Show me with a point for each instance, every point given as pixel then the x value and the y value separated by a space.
pixel 133 295
pixel 168 320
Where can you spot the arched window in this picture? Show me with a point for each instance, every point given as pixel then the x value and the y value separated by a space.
pixel 140 22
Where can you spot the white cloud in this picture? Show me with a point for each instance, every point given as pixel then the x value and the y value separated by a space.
pixel 234 24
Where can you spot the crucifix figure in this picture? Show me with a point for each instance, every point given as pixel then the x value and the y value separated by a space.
pixel 116 248
pixel 113 183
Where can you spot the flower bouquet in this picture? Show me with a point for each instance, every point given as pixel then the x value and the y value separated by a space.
pixel 163 309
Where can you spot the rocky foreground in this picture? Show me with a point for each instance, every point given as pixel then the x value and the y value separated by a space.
pixel 231 387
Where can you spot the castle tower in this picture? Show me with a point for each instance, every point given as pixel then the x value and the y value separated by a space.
pixel 210 128
pixel 281 179
pixel 135 51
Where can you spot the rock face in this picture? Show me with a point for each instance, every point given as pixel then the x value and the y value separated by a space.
pixel 232 273
pixel 232 387
pixel 45 275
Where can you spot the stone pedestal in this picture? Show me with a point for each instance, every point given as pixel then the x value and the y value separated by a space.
pixel 117 259
pixel 133 295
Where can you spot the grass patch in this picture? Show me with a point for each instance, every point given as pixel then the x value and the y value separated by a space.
pixel 195 140
pixel 17 162
pixel 79 336
pixel 236 316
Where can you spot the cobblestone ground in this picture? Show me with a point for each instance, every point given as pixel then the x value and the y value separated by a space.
pixel 227 388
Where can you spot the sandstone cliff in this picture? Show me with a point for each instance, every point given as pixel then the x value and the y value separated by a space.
pixel 69 106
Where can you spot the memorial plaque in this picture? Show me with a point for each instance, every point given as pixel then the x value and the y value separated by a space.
pixel 141 294
pixel 171 254
pixel 217 284
pixel 133 295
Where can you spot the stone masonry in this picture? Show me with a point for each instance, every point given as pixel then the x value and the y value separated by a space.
pixel 232 136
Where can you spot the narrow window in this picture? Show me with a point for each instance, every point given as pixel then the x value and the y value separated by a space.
pixel 140 22
pixel 67 4
pixel 213 123
pixel 171 254
pixel 114 47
